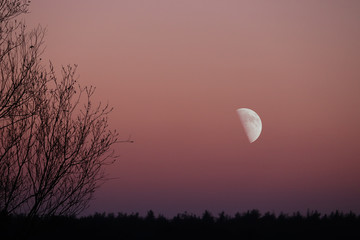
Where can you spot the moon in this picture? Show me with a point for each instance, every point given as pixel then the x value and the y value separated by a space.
pixel 251 123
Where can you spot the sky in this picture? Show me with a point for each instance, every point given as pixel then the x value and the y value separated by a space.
pixel 175 73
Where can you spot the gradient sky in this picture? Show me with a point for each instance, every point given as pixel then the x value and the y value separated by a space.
pixel 175 73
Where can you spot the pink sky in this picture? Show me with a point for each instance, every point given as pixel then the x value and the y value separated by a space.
pixel 176 71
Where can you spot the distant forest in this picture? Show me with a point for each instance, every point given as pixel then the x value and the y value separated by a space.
pixel 247 225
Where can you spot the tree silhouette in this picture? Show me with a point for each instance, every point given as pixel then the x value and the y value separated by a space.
pixel 54 139
pixel 20 74
pixel 19 56
pixel 188 226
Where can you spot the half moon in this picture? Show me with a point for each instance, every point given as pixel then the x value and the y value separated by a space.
pixel 251 123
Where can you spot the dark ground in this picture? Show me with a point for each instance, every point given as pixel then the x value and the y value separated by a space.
pixel 249 225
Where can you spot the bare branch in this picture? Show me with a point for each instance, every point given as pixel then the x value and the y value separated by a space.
pixel 54 141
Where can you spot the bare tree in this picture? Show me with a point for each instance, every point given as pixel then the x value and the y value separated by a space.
pixel 71 146
pixel 19 56
pixel 20 75
pixel 56 162
pixel 54 141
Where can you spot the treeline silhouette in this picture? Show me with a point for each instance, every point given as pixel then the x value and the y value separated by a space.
pixel 247 225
